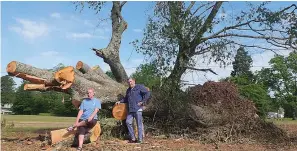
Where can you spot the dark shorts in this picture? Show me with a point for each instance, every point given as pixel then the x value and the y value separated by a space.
pixel 82 130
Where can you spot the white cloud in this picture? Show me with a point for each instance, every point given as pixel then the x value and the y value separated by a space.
pixel 137 30
pixel 84 35
pixel 262 59
pixel 89 23
pixel 30 29
pixel 80 35
pixel 131 65
pixel 48 59
pixel 49 53
pixel 56 15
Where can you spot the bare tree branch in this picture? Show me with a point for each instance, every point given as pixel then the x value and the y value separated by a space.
pixel 189 8
pixel 200 8
pixel 199 16
pixel 204 70
pixel 293 5
pixel 264 29
pixel 203 5
pixel 230 27
pixel 244 36
pixel 207 49
pixel 207 23
pixel 277 44
pixel 122 4
pixel 256 46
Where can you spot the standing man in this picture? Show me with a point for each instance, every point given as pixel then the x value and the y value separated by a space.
pixel 136 96
pixel 87 116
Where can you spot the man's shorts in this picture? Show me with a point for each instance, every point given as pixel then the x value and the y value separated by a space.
pixel 82 130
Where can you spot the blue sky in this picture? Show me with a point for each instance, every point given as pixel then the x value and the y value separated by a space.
pixel 44 34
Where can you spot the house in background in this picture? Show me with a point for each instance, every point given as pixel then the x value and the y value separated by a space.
pixel 6 108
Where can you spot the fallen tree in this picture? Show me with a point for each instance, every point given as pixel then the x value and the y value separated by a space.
pixel 70 80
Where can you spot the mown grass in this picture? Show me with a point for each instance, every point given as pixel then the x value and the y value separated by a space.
pixel 37 118
pixel 286 121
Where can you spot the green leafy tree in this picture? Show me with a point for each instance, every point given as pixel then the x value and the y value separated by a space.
pixel 243 78
pixel 24 102
pixel 147 74
pixel 281 79
pixel 7 89
pixel 259 95
pixel 242 64
pixel 109 73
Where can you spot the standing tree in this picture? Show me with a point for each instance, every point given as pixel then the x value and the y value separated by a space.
pixel 281 79
pixel 24 102
pixel 243 78
pixel 147 75
pixel 7 89
pixel 179 32
pixel 242 64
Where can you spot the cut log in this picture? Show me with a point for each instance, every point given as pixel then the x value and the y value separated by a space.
pixel 29 73
pixel 65 77
pixel 95 132
pixel 34 87
pixel 82 67
pixel 120 111
pixel 62 134
pixel 94 74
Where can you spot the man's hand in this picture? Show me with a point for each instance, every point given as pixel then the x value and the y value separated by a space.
pixel 75 124
pixel 118 102
pixel 90 119
pixel 140 104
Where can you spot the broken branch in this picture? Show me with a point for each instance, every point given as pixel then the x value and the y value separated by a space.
pixel 204 70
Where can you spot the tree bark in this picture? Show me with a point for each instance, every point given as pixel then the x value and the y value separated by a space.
pixel 69 80
pixel 110 54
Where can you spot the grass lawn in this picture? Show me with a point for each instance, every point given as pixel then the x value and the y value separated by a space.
pixel 28 122
pixel 37 118
pixel 286 121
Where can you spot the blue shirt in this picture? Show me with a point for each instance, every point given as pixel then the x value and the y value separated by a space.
pixel 135 95
pixel 88 106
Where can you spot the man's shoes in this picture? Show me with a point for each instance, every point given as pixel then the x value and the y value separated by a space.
pixel 132 141
pixel 71 128
pixel 139 142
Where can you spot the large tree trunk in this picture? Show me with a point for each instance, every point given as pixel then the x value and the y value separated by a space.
pixel 187 50
pixel 110 54
pixel 69 80
pixel 179 68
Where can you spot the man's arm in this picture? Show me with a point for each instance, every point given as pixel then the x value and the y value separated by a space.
pixel 80 112
pixel 93 114
pixel 146 94
pixel 123 100
pixel 97 107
